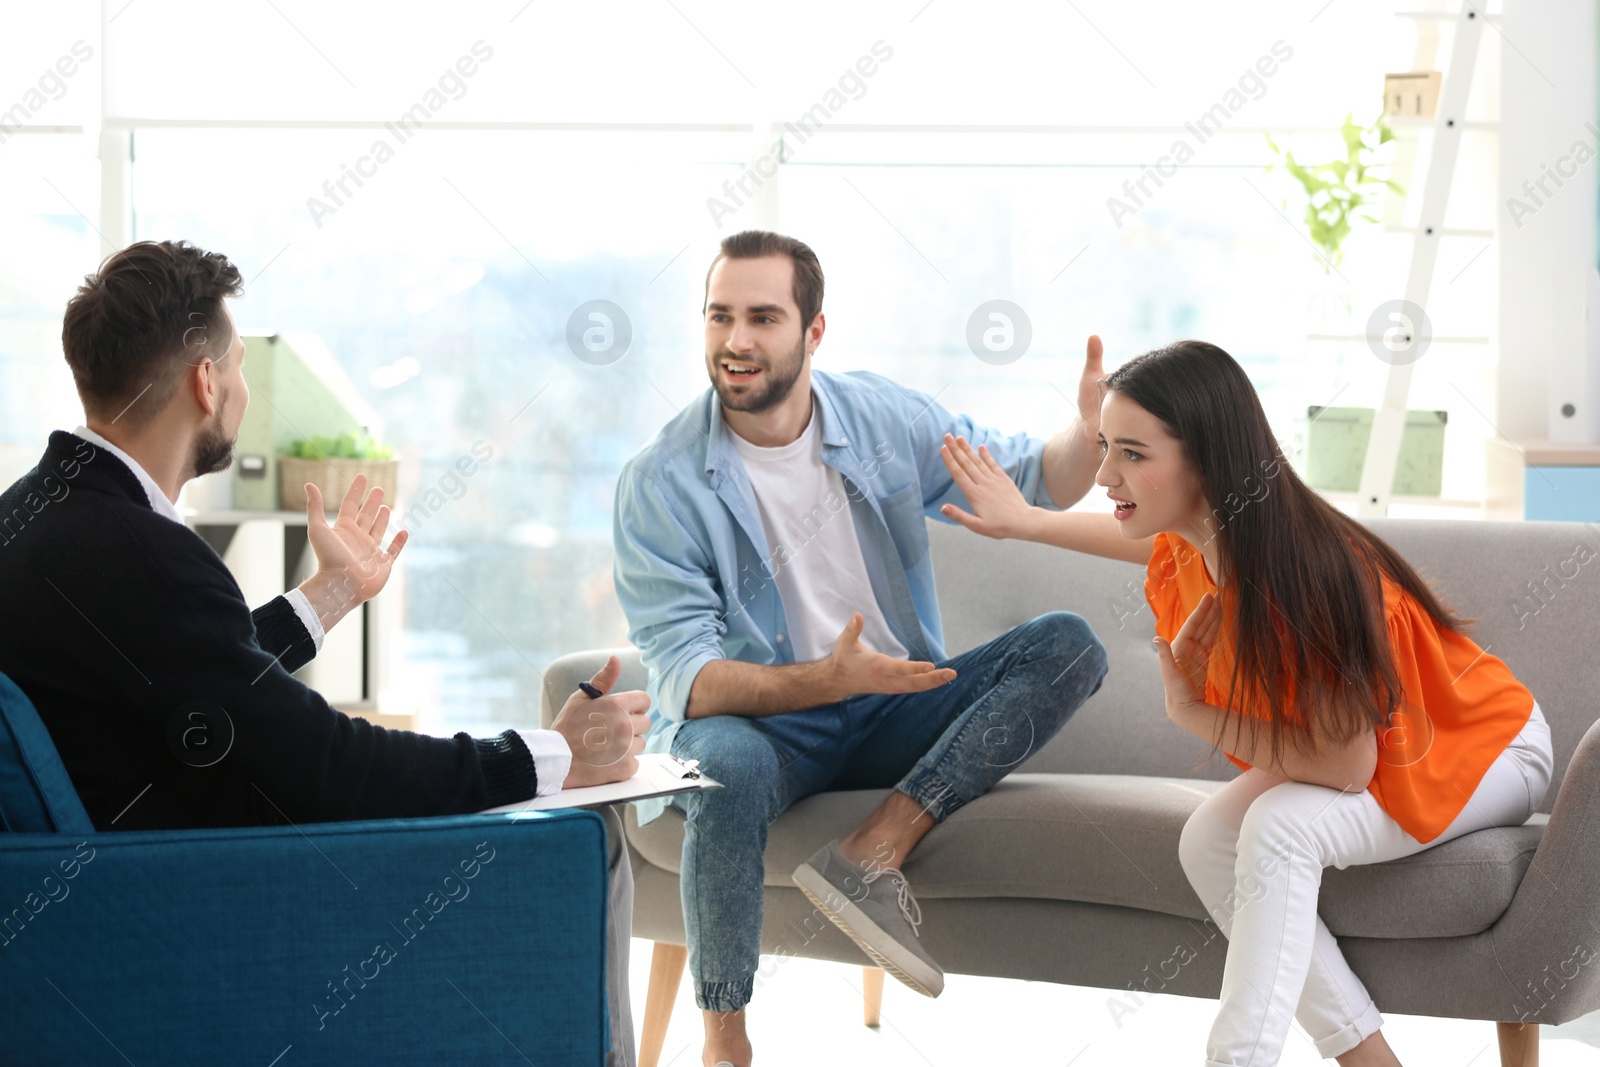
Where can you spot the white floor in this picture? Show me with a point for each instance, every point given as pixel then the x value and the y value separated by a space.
pixel 808 1013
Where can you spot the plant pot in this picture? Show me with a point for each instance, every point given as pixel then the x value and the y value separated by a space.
pixel 333 477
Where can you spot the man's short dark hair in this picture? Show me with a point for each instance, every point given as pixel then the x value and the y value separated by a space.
pixel 150 310
pixel 755 244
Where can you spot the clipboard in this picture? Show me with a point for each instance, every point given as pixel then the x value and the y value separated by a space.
pixel 660 774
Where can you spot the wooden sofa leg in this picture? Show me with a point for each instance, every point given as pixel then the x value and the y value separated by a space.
pixel 1519 1044
pixel 872 994
pixel 666 972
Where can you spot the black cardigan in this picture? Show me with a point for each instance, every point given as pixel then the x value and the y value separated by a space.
pixel 148 668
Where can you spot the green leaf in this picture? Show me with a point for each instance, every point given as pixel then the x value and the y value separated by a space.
pixel 1341 192
pixel 1307 180
pixel 1352 135
pixel 345 446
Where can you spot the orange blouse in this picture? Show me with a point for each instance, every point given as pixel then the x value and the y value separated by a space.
pixel 1461 706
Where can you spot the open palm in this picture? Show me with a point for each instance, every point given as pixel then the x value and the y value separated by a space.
pixel 350 550
pixel 1186 660
pixel 998 507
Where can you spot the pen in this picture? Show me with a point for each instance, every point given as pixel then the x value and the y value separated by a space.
pixel 590 691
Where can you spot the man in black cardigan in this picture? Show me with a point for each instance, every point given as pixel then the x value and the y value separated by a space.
pixel 171 703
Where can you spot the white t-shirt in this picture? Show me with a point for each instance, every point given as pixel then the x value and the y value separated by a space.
pixel 815 555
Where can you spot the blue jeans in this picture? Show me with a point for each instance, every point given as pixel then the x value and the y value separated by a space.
pixel 941 748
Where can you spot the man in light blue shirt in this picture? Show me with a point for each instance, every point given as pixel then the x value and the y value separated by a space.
pixel 772 559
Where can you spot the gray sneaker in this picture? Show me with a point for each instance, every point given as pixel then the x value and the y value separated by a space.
pixel 874 905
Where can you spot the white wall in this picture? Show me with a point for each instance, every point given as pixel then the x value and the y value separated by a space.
pixel 1548 258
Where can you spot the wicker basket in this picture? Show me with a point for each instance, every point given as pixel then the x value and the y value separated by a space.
pixel 333 477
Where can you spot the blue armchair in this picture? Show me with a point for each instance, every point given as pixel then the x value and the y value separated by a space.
pixel 466 939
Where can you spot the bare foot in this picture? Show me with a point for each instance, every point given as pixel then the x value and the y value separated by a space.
pixel 1373 1052
pixel 726 1040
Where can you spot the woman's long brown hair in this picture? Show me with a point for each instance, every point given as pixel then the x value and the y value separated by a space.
pixel 1305 601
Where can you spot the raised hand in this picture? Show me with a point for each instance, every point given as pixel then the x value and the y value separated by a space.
pixel 1089 383
pixel 1185 661
pixel 352 565
pixel 858 669
pixel 998 507
pixel 606 734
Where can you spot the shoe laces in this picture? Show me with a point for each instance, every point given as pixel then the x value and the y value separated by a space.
pixel 903 896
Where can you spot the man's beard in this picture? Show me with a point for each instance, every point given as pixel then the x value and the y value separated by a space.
pixel 213 449
pixel 774 391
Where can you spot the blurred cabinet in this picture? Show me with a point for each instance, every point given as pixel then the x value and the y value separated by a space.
pixel 1545 481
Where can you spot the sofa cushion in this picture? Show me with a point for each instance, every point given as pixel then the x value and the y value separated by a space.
pixel 1457 888
pixel 1113 839
pixel 36 796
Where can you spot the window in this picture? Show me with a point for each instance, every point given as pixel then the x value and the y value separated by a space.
pixel 50 188
pixel 936 156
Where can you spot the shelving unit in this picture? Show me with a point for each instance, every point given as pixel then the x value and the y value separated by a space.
pixel 1448 124
pixel 1340 497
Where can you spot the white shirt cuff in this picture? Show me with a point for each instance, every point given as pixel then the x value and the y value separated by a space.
pixel 307 615
pixel 552 758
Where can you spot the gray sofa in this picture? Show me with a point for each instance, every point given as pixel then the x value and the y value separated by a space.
pixel 1078 847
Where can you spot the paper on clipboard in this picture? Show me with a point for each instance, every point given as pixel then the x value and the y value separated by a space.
pixel 660 774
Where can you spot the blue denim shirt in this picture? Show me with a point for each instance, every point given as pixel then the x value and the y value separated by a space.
pixel 693 570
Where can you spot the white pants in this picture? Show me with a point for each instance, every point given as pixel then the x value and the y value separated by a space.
pixel 1255 851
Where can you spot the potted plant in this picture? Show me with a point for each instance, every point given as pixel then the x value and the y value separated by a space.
pixel 331 464
pixel 1339 194
pixel 1340 191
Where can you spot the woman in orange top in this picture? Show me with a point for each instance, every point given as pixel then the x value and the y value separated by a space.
pixel 1368 724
